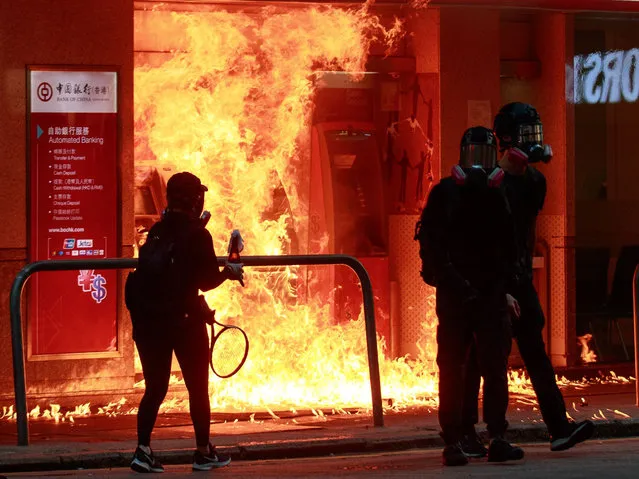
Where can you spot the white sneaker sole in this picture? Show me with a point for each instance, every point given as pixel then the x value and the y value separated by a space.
pixel 141 466
pixel 474 455
pixel 210 465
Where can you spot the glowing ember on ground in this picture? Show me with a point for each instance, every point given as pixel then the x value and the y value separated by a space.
pixel 620 413
pixel 520 388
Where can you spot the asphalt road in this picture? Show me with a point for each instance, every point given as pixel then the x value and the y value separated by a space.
pixel 617 458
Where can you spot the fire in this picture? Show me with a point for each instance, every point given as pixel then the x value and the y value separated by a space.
pixel 233 106
pixel 587 354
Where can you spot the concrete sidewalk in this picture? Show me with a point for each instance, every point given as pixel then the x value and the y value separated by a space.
pixel 98 441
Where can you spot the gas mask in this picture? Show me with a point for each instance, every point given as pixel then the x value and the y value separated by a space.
pixel 538 153
pixel 531 143
pixel 477 177
pixel 478 160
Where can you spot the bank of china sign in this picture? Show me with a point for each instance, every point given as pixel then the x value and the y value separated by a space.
pixel 607 77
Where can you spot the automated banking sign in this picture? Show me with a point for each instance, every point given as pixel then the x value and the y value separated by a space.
pixel 73 209
pixel 607 77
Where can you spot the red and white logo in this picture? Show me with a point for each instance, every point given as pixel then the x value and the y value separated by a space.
pixel 45 92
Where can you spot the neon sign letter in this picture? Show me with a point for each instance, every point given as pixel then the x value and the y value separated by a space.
pixel 607 77
pixel 630 81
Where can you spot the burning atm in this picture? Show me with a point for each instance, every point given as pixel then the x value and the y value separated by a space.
pixel 150 196
pixel 348 216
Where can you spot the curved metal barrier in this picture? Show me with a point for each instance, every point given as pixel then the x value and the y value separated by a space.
pixel 124 263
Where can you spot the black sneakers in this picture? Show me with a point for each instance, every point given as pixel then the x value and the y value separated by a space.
pixel 472 445
pixel 209 461
pixel 143 462
pixel 454 456
pixel 501 450
pixel 576 433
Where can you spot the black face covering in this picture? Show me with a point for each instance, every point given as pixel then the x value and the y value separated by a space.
pixel 198 205
pixel 476 178
pixel 193 205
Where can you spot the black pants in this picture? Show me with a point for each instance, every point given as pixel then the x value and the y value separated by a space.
pixel 156 343
pixel 528 331
pixel 487 327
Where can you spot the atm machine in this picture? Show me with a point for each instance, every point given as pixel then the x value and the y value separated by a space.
pixel 348 216
pixel 150 197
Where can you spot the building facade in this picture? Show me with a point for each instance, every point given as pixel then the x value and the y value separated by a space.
pixel 459 63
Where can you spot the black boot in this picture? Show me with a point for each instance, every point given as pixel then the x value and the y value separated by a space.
pixel 472 445
pixel 454 456
pixel 501 450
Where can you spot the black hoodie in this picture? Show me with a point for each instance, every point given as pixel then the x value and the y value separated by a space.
pixel 526 194
pixel 471 240
pixel 194 268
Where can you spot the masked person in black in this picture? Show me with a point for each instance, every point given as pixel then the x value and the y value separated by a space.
pixel 520 132
pixel 469 254
pixel 168 315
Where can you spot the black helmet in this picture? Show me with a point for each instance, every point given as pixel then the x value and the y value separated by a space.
pixel 185 191
pixel 478 149
pixel 518 125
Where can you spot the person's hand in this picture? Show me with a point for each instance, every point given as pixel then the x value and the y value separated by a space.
pixel 235 271
pixel 513 307
pixel 514 162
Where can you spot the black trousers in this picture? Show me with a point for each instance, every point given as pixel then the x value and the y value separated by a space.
pixel 528 331
pixel 485 326
pixel 156 343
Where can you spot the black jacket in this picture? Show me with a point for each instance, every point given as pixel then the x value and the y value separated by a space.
pixel 526 195
pixel 195 268
pixel 471 240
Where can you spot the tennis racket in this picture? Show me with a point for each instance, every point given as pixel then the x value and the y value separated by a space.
pixel 229 349
pixel 230 345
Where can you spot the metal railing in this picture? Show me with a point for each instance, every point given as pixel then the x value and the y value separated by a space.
pixel 122 263
pixel 635 320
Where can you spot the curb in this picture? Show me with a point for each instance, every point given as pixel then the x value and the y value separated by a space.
pixel 294 449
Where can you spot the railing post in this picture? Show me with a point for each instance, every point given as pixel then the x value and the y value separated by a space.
pixel 17 343
pixel 19 380
pixel 635 313
pixel 371 344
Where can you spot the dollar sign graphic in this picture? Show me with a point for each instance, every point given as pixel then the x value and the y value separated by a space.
pixel 99 291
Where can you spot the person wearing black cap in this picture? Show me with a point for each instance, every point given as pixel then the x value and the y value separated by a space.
pixel 162 294
pixel 468 253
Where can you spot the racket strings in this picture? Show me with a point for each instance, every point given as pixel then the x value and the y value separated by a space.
pixel 229 352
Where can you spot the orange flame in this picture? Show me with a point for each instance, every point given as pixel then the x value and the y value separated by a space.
pixel 587 354
pixel 233 106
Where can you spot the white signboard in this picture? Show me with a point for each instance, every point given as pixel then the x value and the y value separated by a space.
pixel 73 92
